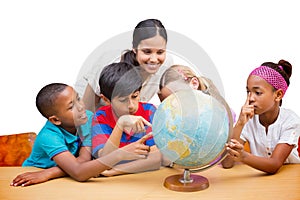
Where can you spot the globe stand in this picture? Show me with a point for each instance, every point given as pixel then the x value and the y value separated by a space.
pixel 186 183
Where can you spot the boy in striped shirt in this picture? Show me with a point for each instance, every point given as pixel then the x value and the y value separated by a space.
pixel 124 120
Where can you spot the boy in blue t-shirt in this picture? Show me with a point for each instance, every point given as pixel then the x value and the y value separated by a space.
pixel 63 146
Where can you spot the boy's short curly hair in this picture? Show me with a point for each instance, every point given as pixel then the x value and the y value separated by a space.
pixel 45 99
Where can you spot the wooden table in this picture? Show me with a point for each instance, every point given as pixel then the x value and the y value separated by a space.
pixel 240 182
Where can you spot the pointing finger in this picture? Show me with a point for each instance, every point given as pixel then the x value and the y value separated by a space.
pixel 145 137
pixel 146 122
pixel 248 99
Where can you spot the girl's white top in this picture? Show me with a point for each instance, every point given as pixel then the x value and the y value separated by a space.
pixel 285 129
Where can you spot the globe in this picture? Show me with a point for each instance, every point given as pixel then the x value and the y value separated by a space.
pixel 191 128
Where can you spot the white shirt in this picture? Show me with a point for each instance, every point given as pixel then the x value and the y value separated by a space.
pixel 91 76
pixel 286 129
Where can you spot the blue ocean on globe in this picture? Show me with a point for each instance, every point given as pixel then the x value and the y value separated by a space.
pixel 191 129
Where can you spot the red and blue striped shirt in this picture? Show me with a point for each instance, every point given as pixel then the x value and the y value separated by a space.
pixel 104 121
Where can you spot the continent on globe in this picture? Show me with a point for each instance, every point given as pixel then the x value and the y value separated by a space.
pixel 180 148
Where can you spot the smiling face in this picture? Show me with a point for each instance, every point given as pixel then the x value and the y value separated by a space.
pixel 69 110
pixel 151 53
pixel 262 95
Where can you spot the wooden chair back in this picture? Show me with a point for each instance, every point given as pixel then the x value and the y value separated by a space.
pixel 247 147
pixel 15 148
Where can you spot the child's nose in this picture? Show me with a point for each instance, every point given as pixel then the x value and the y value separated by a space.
pixel 251 97
pixel 130 104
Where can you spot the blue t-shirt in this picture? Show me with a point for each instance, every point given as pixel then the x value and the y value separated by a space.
pixel 53 140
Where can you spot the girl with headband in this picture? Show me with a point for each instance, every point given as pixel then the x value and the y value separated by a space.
pixel 271 131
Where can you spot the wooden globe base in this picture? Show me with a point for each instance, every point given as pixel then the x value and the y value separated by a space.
pixel 173 183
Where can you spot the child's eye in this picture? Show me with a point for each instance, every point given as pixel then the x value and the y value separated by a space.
pixel 135 95
pixel 123 100
pixel 71 106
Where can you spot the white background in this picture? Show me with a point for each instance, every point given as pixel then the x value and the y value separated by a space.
pixel 48 41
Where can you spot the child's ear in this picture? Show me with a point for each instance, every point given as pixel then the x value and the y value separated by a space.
pixel 134 51
pixel 54 120
pixel 279 95
pixel 105 100
pixel 194 83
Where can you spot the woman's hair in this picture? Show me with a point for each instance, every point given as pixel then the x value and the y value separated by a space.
pixel 119 80
pixel 145 29
pixel 46 97
pixel 179 73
